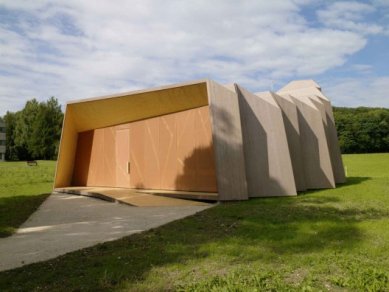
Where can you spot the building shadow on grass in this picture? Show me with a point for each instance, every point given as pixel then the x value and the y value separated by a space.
pixel 351 181
pixel 258 229
pixel 16 210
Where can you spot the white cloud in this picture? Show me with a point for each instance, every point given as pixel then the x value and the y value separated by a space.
pixel 362 68
pixel 372 91
pixel 349 15
pixel 74 49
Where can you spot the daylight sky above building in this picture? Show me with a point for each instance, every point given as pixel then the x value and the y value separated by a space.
pixel 74 49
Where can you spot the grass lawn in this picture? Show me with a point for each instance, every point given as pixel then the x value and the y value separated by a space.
pixel 22 189
pixel 334 239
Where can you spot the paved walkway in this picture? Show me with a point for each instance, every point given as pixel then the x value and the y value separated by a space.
pixel 66 223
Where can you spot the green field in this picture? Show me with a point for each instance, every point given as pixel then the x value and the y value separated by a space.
pixel 22 189
pixel 334 239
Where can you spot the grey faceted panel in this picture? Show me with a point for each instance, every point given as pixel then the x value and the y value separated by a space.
pixel 227 139
pixel 332 138
pixel 268 164
pixel 291 122
pixel 315 152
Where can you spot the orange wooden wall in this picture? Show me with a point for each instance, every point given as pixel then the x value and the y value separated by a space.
pixel 171 152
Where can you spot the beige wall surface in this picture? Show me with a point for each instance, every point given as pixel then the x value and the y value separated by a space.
pixel 332 137
pixel 290 117
pixel 302 88
pixel 310 90
pixel 228 142
pixel 316 156
pixel 268 164
pixel 298 84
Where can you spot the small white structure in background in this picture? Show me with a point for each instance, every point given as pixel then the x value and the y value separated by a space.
pixel 2 141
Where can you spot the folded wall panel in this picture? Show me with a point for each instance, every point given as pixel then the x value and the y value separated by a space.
pixel 316 156
pixel 332 138
pixel 304 89
pixel 268 165
pixel 228 142
pixel 290 117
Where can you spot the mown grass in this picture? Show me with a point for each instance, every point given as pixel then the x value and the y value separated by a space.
pixel 321 240
pixel 22 189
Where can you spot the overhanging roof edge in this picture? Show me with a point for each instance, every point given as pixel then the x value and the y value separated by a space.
pixel 140 91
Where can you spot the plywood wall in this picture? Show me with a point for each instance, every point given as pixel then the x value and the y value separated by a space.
pixel 291 122
pixel 316 156
pixel 228 142
pixel 332 137
pixel 172 152
pixel 268 165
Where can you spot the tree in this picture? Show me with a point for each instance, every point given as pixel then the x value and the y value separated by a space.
pixel 34 132
pixel 11 150
pixel 24 129
pixel 46 130
pixel 362 130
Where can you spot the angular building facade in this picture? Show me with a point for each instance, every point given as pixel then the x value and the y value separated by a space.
pixel 202 138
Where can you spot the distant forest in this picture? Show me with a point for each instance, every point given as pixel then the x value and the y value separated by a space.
pixel 35 131
pixel 362 129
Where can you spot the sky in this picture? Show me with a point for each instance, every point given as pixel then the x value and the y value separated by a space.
pixel 77 49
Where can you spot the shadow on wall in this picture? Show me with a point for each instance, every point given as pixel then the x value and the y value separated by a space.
pixel 83 158
pixel 200 167
pixel 315 177
pixel 228 151
pixel 140 186
pixel 199 171
pixel 294 145
pixel 256 154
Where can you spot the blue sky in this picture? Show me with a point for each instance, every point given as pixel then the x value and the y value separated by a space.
pixel 74 49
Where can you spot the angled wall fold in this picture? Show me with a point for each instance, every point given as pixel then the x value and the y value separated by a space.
pixel 291 122
pixel 305 90
pixel 228 142
pixel 268 165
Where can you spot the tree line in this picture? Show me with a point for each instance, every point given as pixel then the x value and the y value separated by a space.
pixel 34 132
pixel 362 129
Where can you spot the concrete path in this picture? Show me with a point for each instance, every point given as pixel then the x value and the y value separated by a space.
pixel 65 223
